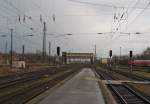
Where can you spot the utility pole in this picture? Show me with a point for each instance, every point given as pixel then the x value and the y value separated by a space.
pixel 119 60
pixel 49 52
pixel 95 53
pixel 131 60
pixel 120 52
pixel 6 52
pixel 23 49
pixel 11 51
pixel 110 55
pixel 44 41
pixel 6 44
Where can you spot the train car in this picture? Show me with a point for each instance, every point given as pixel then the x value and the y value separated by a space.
pixel 143 63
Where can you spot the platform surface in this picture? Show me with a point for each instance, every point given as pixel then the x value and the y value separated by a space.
pixel 81 89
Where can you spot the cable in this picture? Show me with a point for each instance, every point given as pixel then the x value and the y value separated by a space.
pixel 104 5
pixel 20 12
pixel 132 9
pixel 39 8
pixel 33 43
pixel 16 21
pixel 140 13
pixel 146 7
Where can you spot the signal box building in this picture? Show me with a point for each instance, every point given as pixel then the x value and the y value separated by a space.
pixel 77 57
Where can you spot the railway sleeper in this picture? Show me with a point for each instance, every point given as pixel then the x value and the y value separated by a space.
pixel 127 96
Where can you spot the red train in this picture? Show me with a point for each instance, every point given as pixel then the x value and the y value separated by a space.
pixel 139 63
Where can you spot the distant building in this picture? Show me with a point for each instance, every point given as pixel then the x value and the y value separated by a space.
pixel 147 51
pixel 0 58
pixel 77 57
pixel 104 61
pixel 19 64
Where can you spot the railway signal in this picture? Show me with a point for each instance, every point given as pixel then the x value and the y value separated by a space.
pixel 58 51
pixel 131 54
pixel 110 63
pixel 110 53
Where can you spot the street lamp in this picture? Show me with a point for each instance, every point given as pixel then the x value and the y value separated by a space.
pixel 130 33
pixel 28 35
pixel 3 36
pixel 138 33
pixel 68 34
pixel 23 47
pixel 99 33
pixel 11 52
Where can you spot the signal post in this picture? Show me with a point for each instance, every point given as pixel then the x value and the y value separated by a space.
pixel 131 55
pixel 58 55
pixel 110 63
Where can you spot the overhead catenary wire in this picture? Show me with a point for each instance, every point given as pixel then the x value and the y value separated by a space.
pixel 20 12
pixel 27 16
pixel 23 24
pixel 113 6
pixel 128 14
pixel 45 14
pixel 110 6
pixel 140 13
pixel 29 27
pixel 104 5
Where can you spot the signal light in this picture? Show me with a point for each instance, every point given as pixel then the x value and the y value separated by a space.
pixel 131 54
pixel 110 53
pixel 58 51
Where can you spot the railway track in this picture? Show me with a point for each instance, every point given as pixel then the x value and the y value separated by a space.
pixel 126 95
pixel 133 77
pixel 123 94
pixel 129 75
pixel 22 88
pixel 25 94
pixel 25 78
pixel 105 75
pixel 14 80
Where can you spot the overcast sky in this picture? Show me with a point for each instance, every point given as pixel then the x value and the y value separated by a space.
pixel 82 18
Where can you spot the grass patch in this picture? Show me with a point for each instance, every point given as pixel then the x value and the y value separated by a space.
pixel 142 74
